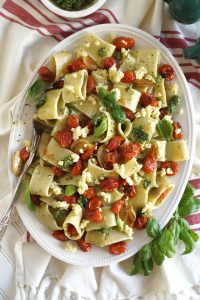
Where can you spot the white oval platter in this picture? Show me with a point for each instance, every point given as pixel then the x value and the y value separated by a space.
pixel 22 129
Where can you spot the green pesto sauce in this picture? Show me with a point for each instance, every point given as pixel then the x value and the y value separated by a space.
pixel 72 5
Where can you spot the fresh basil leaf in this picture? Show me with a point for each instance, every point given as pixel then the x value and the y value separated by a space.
pixel 36 90
pixel 174 104
pixel 153 228
pixel 145 257
pixel 102 52
pixel 188 203
pixel 148 266
pixel 70 190
pixel 174 228
pixel 118 114
pixel 66 162
pixel 188 241
pixel 165 129
pixel 166 243
pixel 82 201
pixel 137 263
pixel 101 129
pixel 193 235
pixel 27 196
pixel 157 254
pixel 183 223
pixel 102 93
pixel 59 213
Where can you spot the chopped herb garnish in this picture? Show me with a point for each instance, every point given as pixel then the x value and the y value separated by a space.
pixel 36 91
pixel 139 134
pixel 118 56
pixel 59 213
pixel 102 51
pixel 146 183
pixel 105 230
pixel 174 104
pixel 66 162
pixel 128 88
pixel 82 201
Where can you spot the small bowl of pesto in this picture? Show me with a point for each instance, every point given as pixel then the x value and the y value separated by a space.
pixel 73 8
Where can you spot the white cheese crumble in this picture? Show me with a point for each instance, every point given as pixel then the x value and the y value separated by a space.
pixel 76 209
pixel 118 93
pixel 124 52
pixel 56 190
pixel 81 53
pixel 119 169
pixel 70 247
pixel 147 145
pixel 169 171
pixel 128 230
pixel 168 118
pixel 85 178
pixel 139 74
pixel 115 75
pixel 107 197
pixel 81 151
pixel 80 132
pixel 137 115
pixel 129 180
pixel 148 111
pixel 75 157
pixel 178 130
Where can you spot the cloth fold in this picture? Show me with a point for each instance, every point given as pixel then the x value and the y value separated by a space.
pixel 32 30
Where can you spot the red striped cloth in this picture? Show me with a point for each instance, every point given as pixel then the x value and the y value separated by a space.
pixel 34 15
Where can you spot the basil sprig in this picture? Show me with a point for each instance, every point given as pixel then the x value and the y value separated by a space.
pixel 109 100
pixel 165 240
pixel 36 91
pixel 165 129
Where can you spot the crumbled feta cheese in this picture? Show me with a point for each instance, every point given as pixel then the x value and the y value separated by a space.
pixel 117 92
pixel 147 145
pixel 129 180
pixel 85 178
pixel 124 52
pixel 128 230
pixel 107 197
pixel 81 53
pixel 169 171
pixel 80 132
pixel 70 247
pixel 159 104
pixel 178 130
pixel 143 112
pixel 75 157
pixel 97 43
pixel 150 78
pixel 56 190
pixel 148 111
pixel 84 223
pixel 140 73
pixel 168 118
pixel 162 172
pixel 155 112
pixel 137 115
pixel 115 75
pixel 76 209
pixel 81 151
pixel 87 45
pixel 120 169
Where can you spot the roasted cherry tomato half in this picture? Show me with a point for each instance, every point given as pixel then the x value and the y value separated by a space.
pixel 24 154
pixel 109 62
pixel 115 142
pixel 124 42
pixel 35 199
pixel 131 150
pixel 64 137
pixel 177 133
pixel 77 168
pixel 115 208
pixel 150 161
pixel 129 77
pixel 118 248
pixel 148 99
pixel 72 230
pixel 76 65
pixel 91 84
pixel 141 222
pixel 57 171
pixel 90 192
pixel 109 184
pixel 85 247
pixel 59 235
pixel 94 203
pixel 171 167
pixel 70 199
pixel 167 72
pixel 72 121
pixel 95 216
pixel 46 75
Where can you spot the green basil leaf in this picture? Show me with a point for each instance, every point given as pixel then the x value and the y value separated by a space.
pixel 190 206
pixel 153 228
pixel 137 265
pixel 193 235
pixel 118 114
pixel 36 90
pixel 101 129
pixel 164 129
pixel 157 254
pixel 102 51
pixel 174 228
pixel 174 104
pixel 166 243
pixel 82 201
pixel 147 266
pixel 59 213
pixel 102 93
pixel 27 196
pixel 188 241
pixel 145 257
pixel 70 190
pixel 183 223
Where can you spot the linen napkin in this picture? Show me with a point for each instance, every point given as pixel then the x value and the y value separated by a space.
pixel 37 30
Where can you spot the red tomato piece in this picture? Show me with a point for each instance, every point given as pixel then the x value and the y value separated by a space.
pixel 72 230
pixel 58 172
pixel 129 114
pixel 109 184
pixel 91 84
pixel 115 208
pixel 95 216
pixel 141 222
pixel 77 168
pixel 122 182
pixel 163 195
pixel 150 161
pixel 59 235
pixel 76 65
pixel 124 42
pixel 88 153
pixel 118 248
pixel 85 247
pixel 70 199
pixel 46 75
pixel 148 99
pixel 167 72
pixel 64 137
pixel 35 199
pixel 163 113
pixel 109 62
pixel 24 154
pixel 129 77
pixel 130 150
pixel 94 203
pixel 172 165
pixel 58 84
pixel 130 191
pixel 90 192
pixel 111 158
pixel 115 142
pixel 178 135
pixel 72 121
